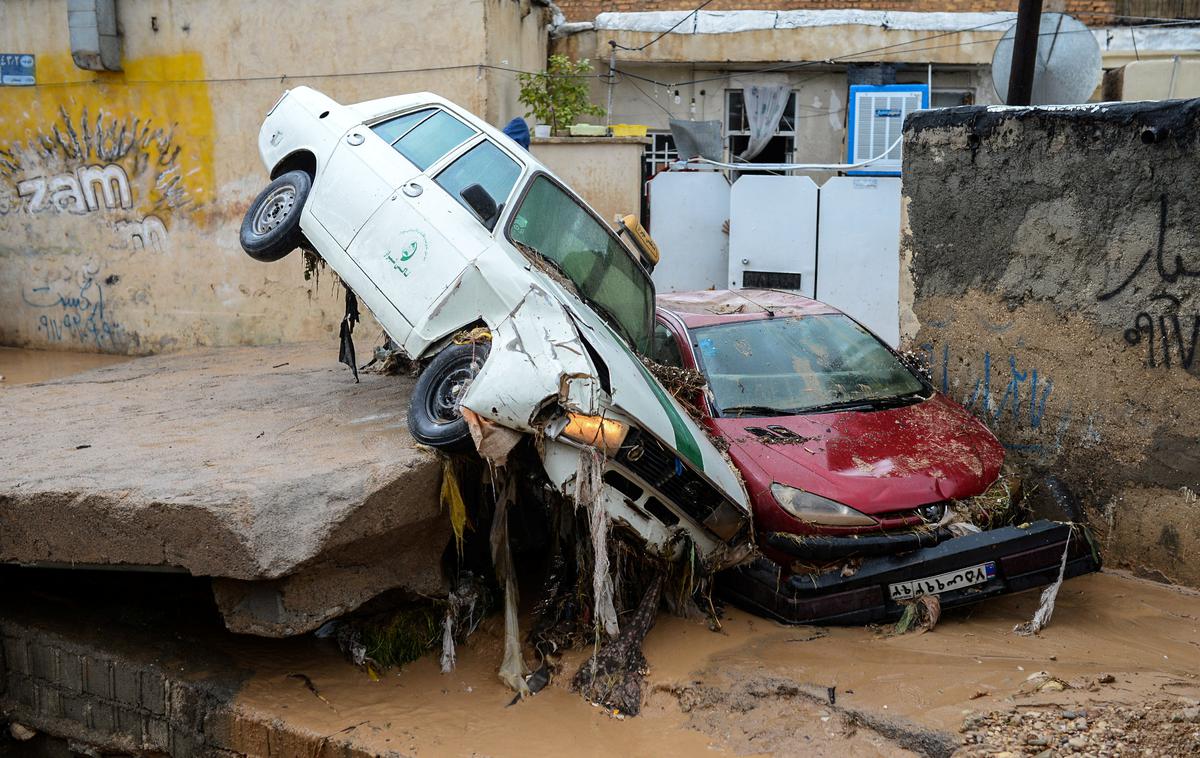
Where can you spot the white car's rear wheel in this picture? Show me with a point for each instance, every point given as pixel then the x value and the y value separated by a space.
pixel 271 227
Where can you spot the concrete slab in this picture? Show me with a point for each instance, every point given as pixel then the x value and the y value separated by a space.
pixel 267 468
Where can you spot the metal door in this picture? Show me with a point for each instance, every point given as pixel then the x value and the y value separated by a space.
pixel 773 233
pixel 687 211
pixel 859 268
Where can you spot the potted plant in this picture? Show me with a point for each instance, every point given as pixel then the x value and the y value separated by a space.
pixel 558 95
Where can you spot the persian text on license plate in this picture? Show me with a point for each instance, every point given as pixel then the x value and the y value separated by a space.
pixel 951 580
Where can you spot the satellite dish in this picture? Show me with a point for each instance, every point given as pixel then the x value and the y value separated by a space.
pixel 1067 69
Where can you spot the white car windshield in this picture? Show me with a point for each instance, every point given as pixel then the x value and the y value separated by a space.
pixel 555 226
pixel 792 365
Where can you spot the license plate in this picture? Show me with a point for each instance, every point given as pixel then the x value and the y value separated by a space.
pixel 951 580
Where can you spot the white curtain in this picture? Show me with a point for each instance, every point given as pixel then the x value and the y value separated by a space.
pixel 764 105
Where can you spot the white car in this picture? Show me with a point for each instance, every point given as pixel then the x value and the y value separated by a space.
pixel 442 224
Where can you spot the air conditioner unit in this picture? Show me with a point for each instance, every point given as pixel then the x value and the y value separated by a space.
pixel 876 118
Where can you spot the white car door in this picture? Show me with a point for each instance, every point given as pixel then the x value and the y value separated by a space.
pixel 361 185
pixel 425 234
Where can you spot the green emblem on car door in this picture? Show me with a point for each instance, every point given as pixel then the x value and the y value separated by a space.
pixel 410 244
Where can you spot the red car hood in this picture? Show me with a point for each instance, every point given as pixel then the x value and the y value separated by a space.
pixel 875 462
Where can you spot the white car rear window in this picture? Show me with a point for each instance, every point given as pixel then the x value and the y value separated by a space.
pixel 424 136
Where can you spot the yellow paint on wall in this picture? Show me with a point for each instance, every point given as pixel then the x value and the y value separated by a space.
pixel 154 120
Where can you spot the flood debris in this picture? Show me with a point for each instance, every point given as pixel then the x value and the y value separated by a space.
pixel 920 615
pixel 308 684
pixel 614 675
pixel 1045 609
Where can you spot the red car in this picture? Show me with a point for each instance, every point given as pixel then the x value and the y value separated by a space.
pixel 854 462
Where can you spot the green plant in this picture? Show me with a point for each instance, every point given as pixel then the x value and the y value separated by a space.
pixel 559 94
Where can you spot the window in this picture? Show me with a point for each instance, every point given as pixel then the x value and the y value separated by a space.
pixel 948 98
pixel 554 225
pixel 780 149
pixel 784 366
pixel 666 349
pixel 393 129
pixel 486 165
pixel 424 136
pixel 658 156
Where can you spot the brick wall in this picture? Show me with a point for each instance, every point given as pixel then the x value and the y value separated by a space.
pixel 586 10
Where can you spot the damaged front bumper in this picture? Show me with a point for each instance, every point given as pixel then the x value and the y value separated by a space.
pixel 1024 557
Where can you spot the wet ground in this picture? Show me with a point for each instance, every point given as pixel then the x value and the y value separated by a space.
pixel 1116 644
pixel 21 366
pixel 759 687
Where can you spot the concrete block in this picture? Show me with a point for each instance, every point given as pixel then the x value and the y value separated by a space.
pixel 98 677
pixel 49 699
pixel 16 655
pixel 70 671
pixel 153 696
pixel 183 744
pixel 157 734
pixel 44 659
pixel 74 708
pixel 329 481
pixel 20 690
pixel 126 684
pixel 131 723
pixel 101 716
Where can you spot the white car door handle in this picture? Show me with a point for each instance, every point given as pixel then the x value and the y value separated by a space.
pixel 412 189
pixel 355 139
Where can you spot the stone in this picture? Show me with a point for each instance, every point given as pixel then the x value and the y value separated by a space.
pixel 299 491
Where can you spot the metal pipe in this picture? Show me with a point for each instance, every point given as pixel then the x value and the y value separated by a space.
pixel 1024 57
pixel 612 69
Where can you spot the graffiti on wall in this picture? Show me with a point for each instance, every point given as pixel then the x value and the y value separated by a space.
pixel 73 309
pixel 124 170
pixel 1159 326
pixel 1002 391
pixel 96 178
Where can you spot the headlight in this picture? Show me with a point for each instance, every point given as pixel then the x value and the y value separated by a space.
pixel 816 509
pixel 604 433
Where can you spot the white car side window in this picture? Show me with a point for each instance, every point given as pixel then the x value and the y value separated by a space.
pixel 424 136
pixel 485 165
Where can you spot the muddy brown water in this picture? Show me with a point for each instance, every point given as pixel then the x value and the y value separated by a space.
pixel 718 692
pixel 23 366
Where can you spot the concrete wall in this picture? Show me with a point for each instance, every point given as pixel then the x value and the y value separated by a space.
pixel 1053 261
pixel 121 194
pixel 606 172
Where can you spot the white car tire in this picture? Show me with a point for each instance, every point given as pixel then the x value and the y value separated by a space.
pixel 271 227
pixel 434 417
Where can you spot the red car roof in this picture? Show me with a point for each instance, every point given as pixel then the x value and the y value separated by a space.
pixel 707 307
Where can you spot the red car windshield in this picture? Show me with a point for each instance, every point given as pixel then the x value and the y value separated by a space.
pixel 793 365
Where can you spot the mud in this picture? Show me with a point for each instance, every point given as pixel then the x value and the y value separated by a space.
pixel 752 688
pixel 22 366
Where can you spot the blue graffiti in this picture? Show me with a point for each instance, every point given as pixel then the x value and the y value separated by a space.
pixel 78 315
pixel 1012 393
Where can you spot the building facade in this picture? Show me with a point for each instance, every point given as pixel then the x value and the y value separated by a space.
pixel 122 192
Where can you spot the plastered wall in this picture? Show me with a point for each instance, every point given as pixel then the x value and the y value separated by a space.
pixel 121 194
pixel 1052 283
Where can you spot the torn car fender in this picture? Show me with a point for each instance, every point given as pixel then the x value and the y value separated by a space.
pixel 536 358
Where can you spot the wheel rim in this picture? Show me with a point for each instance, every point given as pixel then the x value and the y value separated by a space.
pixel 274 209
pixel 444 402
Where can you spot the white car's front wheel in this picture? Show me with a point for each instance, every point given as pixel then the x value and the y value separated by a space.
pixel 271 227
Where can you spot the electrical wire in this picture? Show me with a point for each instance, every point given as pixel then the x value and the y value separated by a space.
pixel 673 28
pixel 861 53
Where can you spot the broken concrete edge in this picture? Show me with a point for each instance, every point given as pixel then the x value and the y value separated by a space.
pixel 115 702
pixel 1165 118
